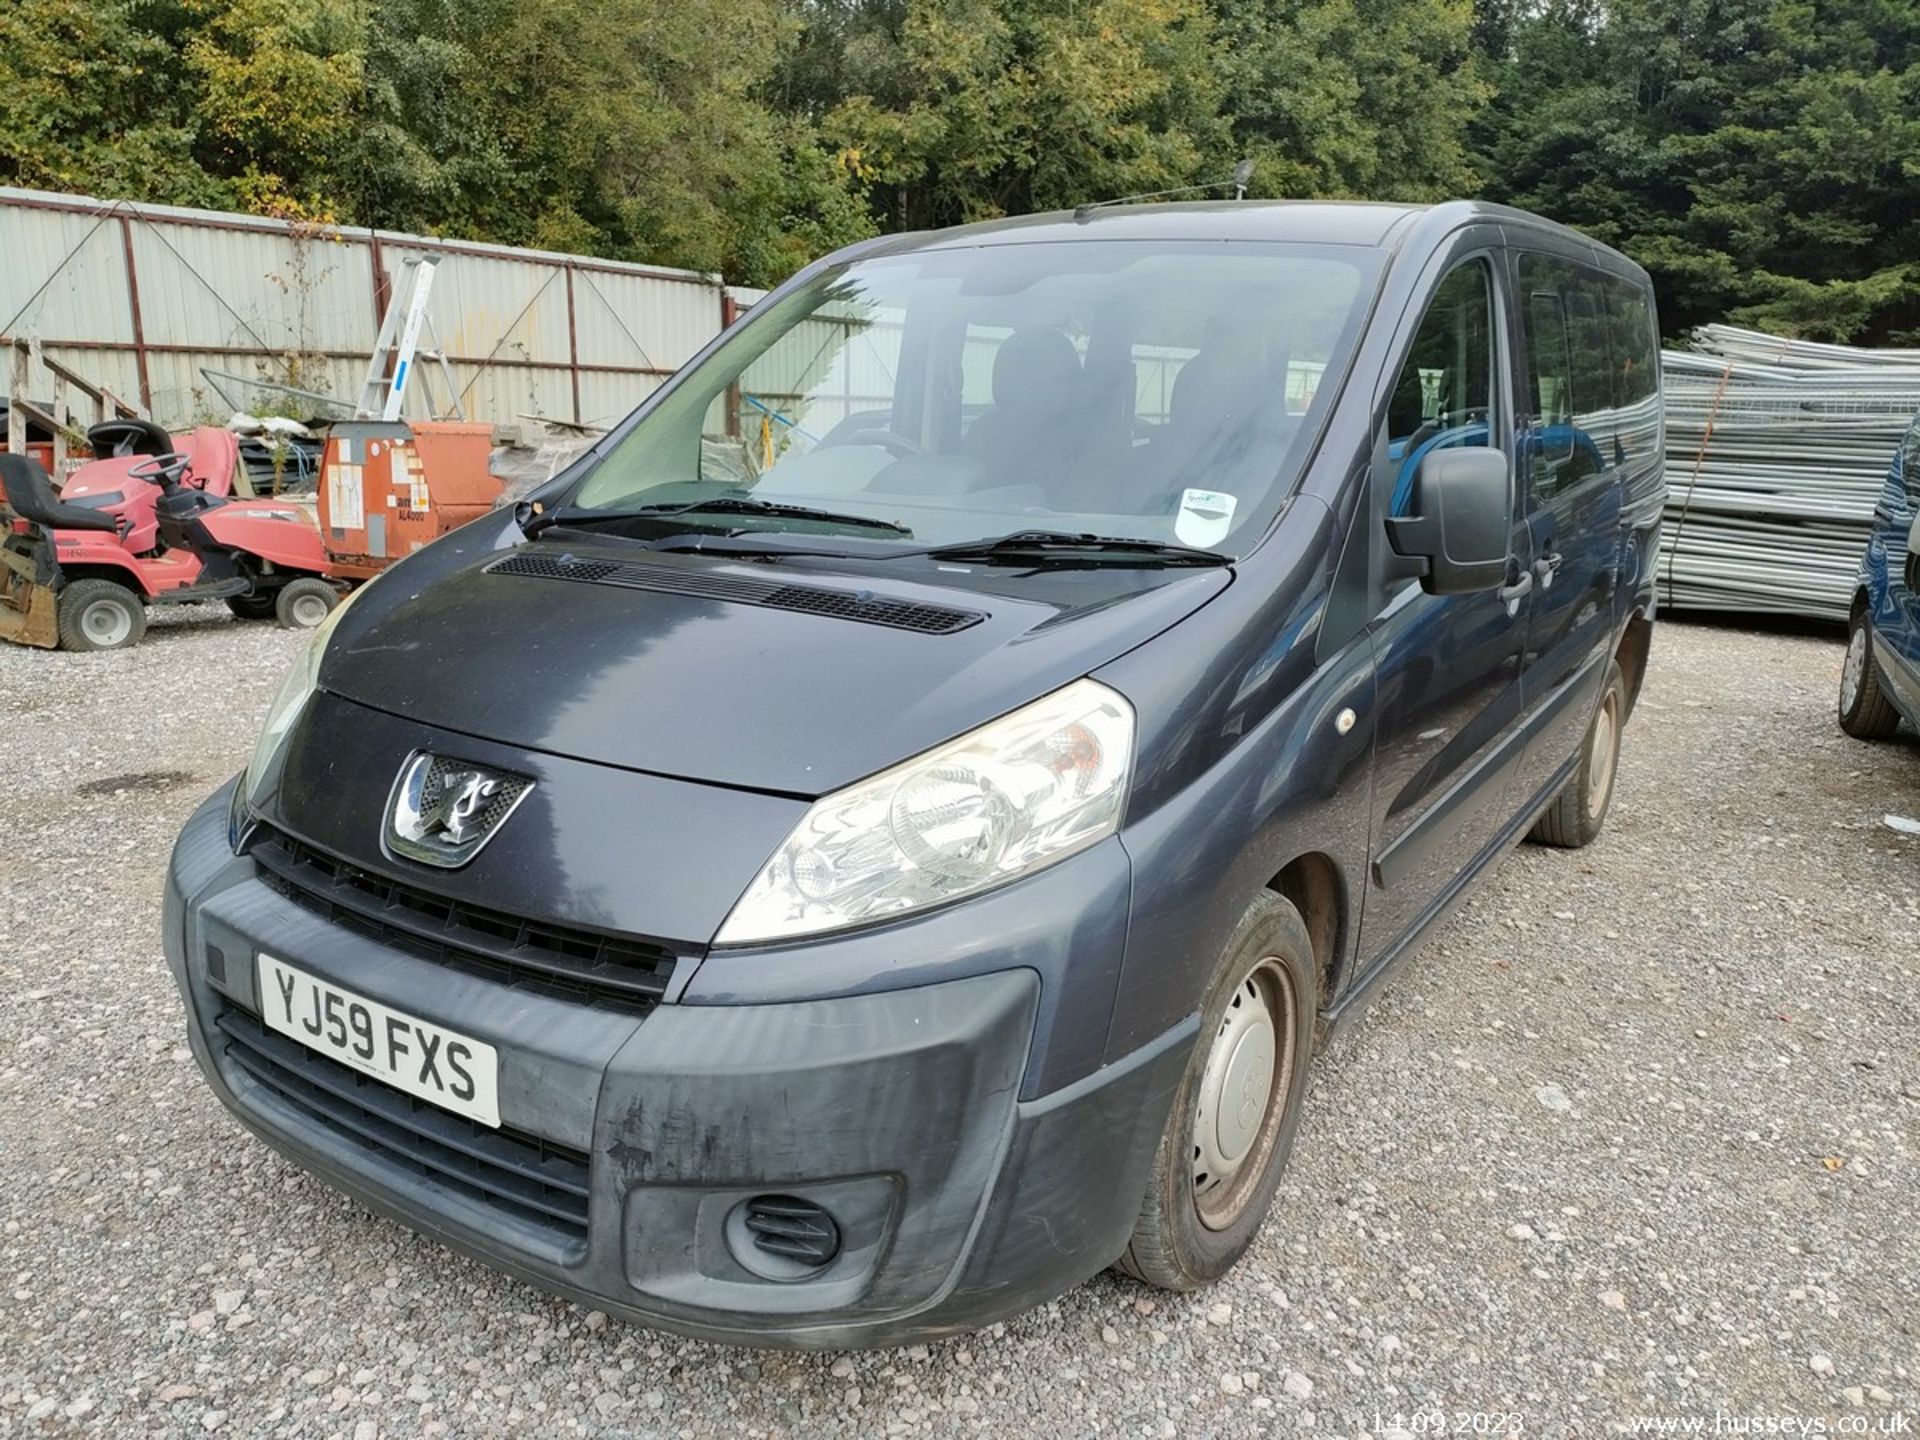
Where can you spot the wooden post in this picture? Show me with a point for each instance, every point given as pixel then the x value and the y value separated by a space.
pixel 59 422
pixel 133 306
pixel 730 312
pixel 17 392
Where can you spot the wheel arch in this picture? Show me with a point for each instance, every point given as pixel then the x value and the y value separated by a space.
pixel 124 575
pixel 1636 644
pixel 1314 885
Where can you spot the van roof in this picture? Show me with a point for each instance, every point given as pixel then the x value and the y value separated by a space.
pixel 1372 224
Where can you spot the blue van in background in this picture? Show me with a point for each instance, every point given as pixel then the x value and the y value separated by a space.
pixel 1880 681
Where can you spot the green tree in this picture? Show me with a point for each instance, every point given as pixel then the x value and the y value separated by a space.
pixel 595 126
pixel 1352 98
pixel 277 94
pixel 1760 157
pixel 88 103
pixel 957 110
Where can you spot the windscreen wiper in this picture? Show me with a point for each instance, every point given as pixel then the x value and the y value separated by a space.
pixel 1058 547
pixel 779 509
pixel 729 505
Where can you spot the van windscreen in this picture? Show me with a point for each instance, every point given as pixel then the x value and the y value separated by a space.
pixel 1161 392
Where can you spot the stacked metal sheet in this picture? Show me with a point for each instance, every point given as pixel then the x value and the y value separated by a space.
pixel 1776 453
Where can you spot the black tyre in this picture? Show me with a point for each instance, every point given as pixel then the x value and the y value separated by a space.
pixel 304 603
pixel 1865 711
pixel 1577 814
pixel 252 607
pixel 1238 1107
pixel 99 615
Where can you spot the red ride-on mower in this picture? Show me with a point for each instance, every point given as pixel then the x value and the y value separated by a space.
pixel 94 558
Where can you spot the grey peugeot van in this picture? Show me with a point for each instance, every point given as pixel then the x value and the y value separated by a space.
pixel 881 838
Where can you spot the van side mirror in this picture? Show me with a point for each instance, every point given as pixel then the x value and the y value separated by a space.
pixel 1462 521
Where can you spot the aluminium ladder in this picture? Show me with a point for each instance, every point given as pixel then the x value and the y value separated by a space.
pixel 398 347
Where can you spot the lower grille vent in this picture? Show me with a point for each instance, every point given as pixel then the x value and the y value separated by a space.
pixel 523 1176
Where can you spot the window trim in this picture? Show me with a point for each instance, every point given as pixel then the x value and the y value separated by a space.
pixel 1525 377
pixel 1388 575
pixel 1500 412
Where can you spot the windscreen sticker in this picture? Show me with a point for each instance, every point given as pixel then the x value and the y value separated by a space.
pixel 1205 517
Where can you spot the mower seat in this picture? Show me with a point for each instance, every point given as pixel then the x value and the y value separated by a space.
pixel 120 438
pixel 29 494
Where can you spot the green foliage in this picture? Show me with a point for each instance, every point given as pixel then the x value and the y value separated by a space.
pixel 1337 99
pixel 956 110
pixel 1761 157
pixel 568 126
pixel 277 83
pixel 84 103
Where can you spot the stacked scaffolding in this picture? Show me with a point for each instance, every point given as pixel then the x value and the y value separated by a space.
pixel 1777 451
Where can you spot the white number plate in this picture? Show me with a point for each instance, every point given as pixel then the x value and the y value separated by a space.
pixel 453 1071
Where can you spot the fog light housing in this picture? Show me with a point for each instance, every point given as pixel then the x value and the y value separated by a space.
pixel 782 1237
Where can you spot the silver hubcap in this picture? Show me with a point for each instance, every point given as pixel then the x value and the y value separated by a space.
pixel 1242 1094
pixel 1600 757
pixel 1855 669
pixel 106 624
pixel 309 611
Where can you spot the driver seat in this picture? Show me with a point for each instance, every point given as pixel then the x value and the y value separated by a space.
pixel 28 491
pixel 118 439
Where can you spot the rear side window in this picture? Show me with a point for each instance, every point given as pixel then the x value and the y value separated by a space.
pixel 1573 375
pixel 1443 397
pixel 1910 465
pixel 1636 352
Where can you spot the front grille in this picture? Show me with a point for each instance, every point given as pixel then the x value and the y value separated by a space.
pixel 530 1179
pixel 580 966
pixel 863 606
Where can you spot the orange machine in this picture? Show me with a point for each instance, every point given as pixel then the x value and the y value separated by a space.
pixel 388 487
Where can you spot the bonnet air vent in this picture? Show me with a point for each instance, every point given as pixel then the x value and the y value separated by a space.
pixel 863 606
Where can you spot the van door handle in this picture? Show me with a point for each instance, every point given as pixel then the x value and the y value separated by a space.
pixel 1547 567
pixel 1514 593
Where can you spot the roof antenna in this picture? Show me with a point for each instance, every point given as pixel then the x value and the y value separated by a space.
pixel 1241 177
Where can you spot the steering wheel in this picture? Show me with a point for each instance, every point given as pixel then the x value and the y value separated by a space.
pixel 166 471
pixel 885 439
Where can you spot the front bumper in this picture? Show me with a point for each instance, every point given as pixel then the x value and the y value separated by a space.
pixel 629 1144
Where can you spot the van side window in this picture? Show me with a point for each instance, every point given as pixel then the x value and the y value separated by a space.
pixel 1572 378
pixel 1636 361
pixel 1444 395
pixel 1910 465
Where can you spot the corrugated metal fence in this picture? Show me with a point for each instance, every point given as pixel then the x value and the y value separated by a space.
pixel 144 298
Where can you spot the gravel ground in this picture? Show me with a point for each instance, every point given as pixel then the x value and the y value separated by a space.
pixel 1635 1135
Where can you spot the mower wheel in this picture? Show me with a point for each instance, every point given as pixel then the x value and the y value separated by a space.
pixel 304 603
pixel 100 615
pixel 252 607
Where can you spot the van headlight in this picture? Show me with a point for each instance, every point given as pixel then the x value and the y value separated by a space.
pixel 288 705
pixel 1014 796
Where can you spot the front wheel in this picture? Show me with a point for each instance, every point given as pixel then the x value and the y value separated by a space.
pixel 304 603
pixel 99 615
pixel 1865 711
pixel 1234 1117
pixel 252 607
pixel 1577 813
